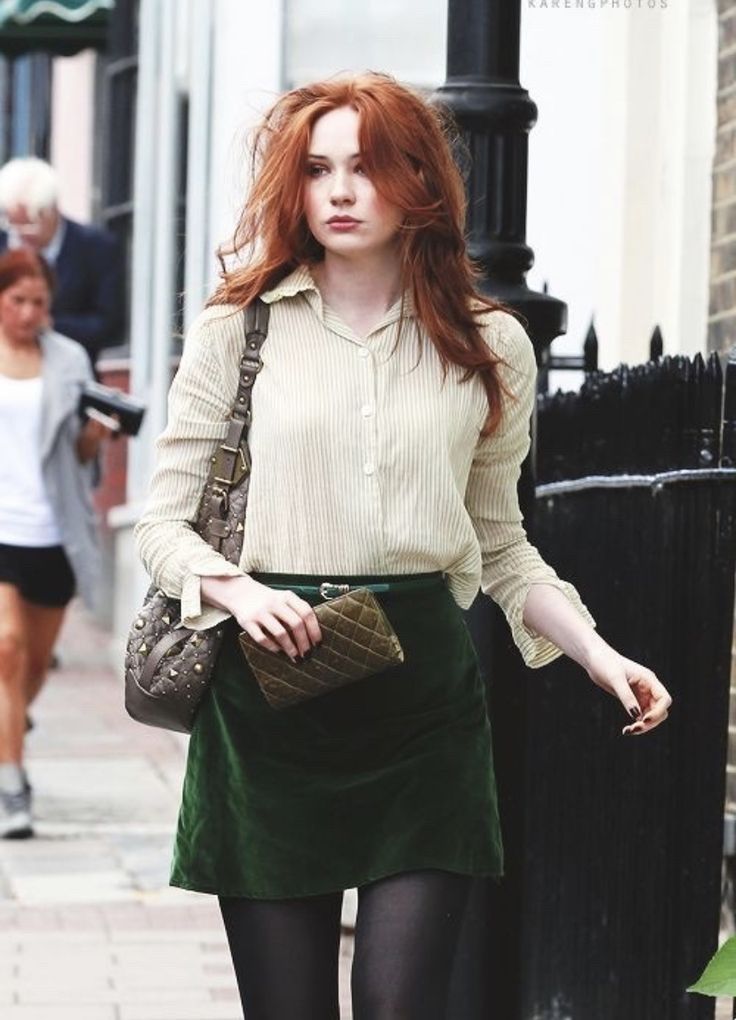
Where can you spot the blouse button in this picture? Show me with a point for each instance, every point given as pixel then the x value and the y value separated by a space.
pixel 366 410
pixel 363 352
pixel 369 468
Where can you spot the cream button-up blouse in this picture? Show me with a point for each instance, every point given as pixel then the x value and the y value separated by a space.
pixel 364 462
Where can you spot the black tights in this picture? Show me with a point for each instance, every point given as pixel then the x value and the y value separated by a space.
pixel 286 952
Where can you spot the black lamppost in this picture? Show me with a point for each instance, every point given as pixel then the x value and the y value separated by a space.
pixel 494 114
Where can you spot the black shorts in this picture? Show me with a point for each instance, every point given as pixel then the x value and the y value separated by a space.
pixel 42 574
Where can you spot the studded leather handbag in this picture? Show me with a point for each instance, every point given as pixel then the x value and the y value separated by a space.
pixel 358 641
pixel 168 667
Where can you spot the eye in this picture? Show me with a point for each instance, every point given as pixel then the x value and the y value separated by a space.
pixel 360 169
pixel 315 170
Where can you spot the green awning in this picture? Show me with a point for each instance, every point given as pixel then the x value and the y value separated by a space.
pixel 61 27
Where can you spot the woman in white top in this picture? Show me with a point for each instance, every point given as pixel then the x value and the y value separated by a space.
pixel 390 419
pixel 48 544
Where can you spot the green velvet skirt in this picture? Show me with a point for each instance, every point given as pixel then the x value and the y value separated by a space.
pixel 393 773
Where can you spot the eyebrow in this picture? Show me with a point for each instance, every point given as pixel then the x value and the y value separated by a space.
pixel 313 155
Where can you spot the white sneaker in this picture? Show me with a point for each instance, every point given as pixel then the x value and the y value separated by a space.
pixel 15 814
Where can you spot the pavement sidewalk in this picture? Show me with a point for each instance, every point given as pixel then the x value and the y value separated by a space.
pixel 89 928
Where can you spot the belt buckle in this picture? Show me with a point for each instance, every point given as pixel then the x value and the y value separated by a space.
pixel 340 589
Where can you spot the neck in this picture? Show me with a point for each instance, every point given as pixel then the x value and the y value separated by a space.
pixel 370 282
pixel 15 346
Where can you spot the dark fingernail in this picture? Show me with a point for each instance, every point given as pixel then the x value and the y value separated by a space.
pixel 635 712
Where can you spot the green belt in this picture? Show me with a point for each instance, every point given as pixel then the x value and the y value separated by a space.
pixel 329 589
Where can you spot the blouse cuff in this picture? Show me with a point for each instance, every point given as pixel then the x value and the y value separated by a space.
pixel 193 614
pixel 191 598
pixel 535 649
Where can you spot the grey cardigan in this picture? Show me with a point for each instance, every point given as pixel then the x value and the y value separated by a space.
pixel 65 368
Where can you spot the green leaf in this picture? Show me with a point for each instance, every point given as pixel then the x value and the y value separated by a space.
pixel 719 977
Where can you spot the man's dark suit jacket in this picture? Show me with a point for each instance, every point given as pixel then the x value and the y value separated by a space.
pixel 89 301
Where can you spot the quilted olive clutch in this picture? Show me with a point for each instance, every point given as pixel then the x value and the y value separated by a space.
pixel 357 642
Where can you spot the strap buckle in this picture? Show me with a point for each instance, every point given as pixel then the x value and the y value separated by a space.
pixel 242 466
pixel 251 364
pixel 337 589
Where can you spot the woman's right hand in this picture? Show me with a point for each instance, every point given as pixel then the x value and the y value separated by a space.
pixel 280 621
pixel 90 437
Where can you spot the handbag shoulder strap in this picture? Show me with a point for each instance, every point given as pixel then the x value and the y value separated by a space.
pixel 256 316
pixel 231 461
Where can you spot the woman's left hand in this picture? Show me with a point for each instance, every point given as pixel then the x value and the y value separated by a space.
pixel 636 687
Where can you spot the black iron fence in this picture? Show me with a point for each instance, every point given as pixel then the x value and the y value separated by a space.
pixel 588 360
pixel 622 837
pixel 611 900
pixel 659 416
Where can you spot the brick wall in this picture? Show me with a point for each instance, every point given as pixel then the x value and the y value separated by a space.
pixel 722 311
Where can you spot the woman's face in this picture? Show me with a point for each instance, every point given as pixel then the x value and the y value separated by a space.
pixel 344 211
pixel 24 309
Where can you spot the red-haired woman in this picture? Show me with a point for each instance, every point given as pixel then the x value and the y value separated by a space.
pixel 48 544
pixel 390 420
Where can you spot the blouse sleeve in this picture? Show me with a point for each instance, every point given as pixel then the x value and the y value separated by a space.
pixel 510 563
pixel 199 406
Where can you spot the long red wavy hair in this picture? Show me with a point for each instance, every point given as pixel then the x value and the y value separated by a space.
pixel 406 150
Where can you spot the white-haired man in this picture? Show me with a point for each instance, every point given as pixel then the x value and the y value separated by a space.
pixel 88 303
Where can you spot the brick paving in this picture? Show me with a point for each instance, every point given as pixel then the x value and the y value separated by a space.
pixel 89 928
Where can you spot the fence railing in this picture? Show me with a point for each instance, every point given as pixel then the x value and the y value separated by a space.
pixel 635 503
pixel 671 413
pixel 588 360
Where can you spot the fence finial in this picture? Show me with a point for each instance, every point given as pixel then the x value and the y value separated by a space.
pixel 728 442
pixel 590 348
